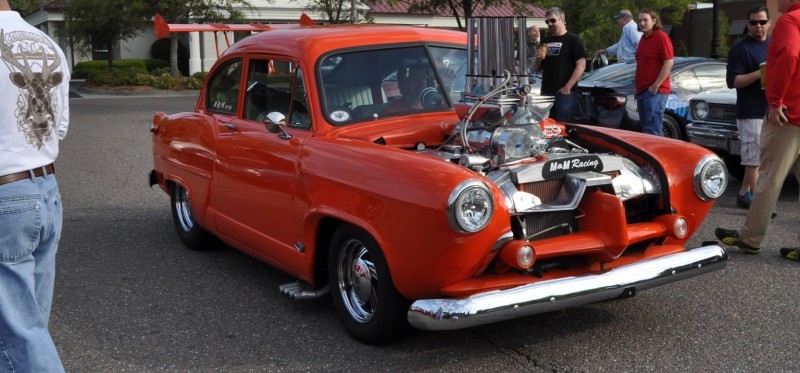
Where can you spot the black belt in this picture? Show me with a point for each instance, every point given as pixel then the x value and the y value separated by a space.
pixel 36 172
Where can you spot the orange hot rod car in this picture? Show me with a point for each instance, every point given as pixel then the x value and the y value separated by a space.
pixel 416 181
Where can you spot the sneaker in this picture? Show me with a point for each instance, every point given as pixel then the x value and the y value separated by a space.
pixel 730 237
pixel 744 199
pixel 791 253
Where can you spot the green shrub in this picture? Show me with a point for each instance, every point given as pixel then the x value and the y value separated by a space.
pixel 161 71
pixel 192 83
pixel 82 70
pixel 97 78
pixel 165 81
pixel 200 75
pixel 142 79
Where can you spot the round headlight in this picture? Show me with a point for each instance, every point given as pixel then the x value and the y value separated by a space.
pixel 710 178
pixel 700 109
pixel 470 206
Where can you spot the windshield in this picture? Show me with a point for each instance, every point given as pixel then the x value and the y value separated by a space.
pixel 366 85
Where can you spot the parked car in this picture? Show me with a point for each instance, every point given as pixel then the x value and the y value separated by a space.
pixel 607 94
pixel 714 126
pixel 461 211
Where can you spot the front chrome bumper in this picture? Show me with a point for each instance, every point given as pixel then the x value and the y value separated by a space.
pixel 715 136
pixel 550 295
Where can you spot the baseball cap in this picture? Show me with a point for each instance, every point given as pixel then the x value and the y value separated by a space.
pixel 624 13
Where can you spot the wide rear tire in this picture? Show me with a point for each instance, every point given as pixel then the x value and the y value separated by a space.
pixel 190 233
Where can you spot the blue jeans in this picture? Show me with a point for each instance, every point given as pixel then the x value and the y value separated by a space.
pixel 562 107
pixel 651 112
pixel 30 227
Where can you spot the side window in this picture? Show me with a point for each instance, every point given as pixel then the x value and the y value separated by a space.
pixel 269 88
pixel 711 77
pixel 300 117
pixel 222 94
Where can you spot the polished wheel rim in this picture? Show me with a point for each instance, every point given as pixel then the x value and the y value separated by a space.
pixel 358 281
pixel 183 206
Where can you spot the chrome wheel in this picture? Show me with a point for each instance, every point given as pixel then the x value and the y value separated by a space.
pixel 357 280
pixel 192 234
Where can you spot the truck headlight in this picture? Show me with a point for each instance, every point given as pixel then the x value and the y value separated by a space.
pixel 700 109
pixel 470 206
pixel 710 178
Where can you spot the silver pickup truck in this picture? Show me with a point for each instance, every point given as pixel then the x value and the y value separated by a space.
pixel 713 115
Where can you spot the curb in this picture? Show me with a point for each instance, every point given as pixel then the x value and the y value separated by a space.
pixel 121 92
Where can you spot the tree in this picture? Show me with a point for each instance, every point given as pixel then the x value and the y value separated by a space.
pixel 335 11
pixel 196 11
pixel 460 8
pixel 24 7
pixel 592 19
pixel 102 23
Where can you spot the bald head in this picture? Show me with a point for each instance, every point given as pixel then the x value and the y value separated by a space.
pixel 4 5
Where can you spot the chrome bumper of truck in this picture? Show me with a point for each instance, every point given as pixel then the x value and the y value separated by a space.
pixel 550 295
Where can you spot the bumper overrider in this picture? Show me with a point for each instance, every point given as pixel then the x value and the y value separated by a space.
pixel 550 295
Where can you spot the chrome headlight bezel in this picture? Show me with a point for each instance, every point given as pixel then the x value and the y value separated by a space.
pixel 465 200
pixel 700 109
pixel 710 178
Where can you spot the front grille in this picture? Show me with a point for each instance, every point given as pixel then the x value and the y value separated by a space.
pixel 549 224
pixel 722 113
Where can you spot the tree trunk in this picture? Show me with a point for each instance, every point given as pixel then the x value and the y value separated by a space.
pixel 110 57
pixel 173 55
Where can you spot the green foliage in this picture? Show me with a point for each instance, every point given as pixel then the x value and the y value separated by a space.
pixel 722 28
pixel 165 81
pixel 98 78
pixel 192 83
pixel 335 11
pixel 82 70
pixel 102 23
pixel 142 79
pixel 160 71
pixel 200 75
pixel 24 7
pixel 593 20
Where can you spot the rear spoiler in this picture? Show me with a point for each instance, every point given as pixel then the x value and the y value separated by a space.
pixel 163 28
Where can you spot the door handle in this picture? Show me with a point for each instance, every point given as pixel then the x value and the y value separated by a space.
pixel 231 127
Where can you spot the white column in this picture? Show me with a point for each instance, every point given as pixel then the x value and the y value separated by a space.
pixel 194 53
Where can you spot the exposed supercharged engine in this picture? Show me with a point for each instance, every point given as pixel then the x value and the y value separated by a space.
pixel 543 170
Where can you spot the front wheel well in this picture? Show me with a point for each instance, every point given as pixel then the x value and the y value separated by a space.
pixel 327 226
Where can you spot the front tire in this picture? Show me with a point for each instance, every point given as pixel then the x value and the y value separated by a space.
pixel 363 293
pixel 670 127
pixel 190 233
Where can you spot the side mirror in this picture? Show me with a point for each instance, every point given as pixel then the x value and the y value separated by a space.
pixel 274 124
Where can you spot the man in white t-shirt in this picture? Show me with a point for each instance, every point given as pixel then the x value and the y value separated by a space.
pixel 34 114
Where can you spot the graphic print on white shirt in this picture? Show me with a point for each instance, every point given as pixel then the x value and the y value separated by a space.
pixel 32 61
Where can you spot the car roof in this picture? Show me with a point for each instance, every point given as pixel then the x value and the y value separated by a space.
pixel 310 42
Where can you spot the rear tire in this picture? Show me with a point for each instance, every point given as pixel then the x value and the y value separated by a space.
pixel 190 233
pixel 363 293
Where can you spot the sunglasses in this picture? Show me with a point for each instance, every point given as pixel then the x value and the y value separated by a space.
pixel 762 22
pixel 551 20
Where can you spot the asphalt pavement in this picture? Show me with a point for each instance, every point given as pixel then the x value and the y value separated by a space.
pixel 130 298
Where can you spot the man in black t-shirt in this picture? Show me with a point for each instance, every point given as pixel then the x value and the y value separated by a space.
pixel 562 65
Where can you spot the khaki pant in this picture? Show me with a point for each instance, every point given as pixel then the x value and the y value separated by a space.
pixel 780 153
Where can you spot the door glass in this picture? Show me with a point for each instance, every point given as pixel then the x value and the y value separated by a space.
pixel 222 93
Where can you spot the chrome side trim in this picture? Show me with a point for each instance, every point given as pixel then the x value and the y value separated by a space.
pixel 546 296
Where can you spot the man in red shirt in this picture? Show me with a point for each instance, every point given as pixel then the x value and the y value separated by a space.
pixel 654 59
pixel 780 133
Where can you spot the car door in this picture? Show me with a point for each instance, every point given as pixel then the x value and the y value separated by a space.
pixel 254 184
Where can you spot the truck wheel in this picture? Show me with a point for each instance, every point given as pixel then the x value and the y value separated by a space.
pixel 363 294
